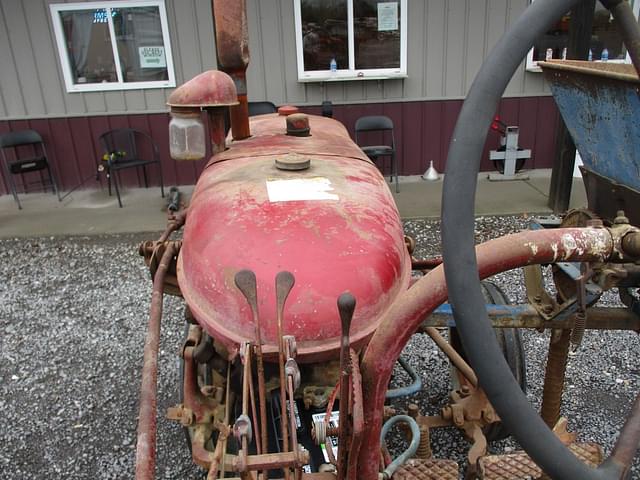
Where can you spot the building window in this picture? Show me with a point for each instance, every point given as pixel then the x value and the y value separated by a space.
pixel 351 39
pixel 113 45
pixel 606 41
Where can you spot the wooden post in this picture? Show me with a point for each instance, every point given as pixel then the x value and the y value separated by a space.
pixel 578 49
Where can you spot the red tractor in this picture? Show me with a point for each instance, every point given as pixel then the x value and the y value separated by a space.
pixel 299 294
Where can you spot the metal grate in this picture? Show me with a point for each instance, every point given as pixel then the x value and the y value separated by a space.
pixel 431 469
pixel 518 465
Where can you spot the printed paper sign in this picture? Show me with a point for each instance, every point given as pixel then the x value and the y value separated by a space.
pixel 387 16
pixel 290 190
pixel 152 57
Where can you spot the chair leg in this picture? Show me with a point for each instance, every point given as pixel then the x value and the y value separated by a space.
pixel 144 175
pixel 54 184
pixel 115 184
pixel 109 181
pixel 14 191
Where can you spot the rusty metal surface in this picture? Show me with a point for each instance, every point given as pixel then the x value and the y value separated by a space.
pixel 355 233
pixel 430 469
pixel 232 49
pixel 357 417
pixel 212 88
pixel 405 316
pixel 518 465
pixel 329 138
pixel 554 376
pixel 147 419
pixel 525 316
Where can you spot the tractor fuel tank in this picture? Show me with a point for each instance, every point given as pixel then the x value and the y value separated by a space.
pixel 313 205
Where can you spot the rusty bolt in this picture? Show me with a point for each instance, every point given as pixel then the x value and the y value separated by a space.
pixel 537 299
pixel 547 309
pixel 209 390
pixel 465 391
pixel 621 218
pixel 488 416
pixel 413 410
pixel 446 412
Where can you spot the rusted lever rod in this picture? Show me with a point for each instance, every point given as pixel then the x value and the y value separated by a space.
pixel 346 307
pixel 147 426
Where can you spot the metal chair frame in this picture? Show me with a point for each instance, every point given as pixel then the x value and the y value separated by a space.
pixel 22 165
pixel 379 123
pixel 130 159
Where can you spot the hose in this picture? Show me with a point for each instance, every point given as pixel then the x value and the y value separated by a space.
pixel 460 262
pixel 409 452
pixel 415 387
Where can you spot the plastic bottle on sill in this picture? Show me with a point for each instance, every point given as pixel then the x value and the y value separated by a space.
pixel 590 58
pixel 604 56
pixel 333 66
pixel 549 54
pixel 564 53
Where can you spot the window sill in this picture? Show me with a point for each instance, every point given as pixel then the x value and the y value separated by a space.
pixel 114 86
pixel 343 77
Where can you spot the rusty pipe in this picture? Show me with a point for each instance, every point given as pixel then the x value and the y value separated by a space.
pixel 146 442
pixel 232 51
pixel 463 367
pixel 406 314
pixel 627 444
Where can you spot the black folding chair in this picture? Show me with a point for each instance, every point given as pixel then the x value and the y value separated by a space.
pixel 261 108
pixel 379 123
pixel 35 161
pixel 125 148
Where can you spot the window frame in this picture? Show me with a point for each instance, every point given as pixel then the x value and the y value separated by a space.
pixel 532 65
pixel 351 73
pixel 63 51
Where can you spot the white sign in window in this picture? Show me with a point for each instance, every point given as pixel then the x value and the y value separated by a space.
pixel 152 57
pixel 387 16
pixel 351 39
pixel 115 45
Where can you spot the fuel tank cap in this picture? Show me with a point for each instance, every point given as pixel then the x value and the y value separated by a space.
pixel 293 161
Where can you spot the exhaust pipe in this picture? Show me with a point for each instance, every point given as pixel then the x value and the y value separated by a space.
pixel 232 52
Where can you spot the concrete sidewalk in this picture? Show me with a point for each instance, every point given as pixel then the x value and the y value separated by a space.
pixel 93 212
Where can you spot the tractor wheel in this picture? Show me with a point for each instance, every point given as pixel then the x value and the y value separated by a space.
pixel 510 342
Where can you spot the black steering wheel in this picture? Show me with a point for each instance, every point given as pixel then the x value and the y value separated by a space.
pixel 460 261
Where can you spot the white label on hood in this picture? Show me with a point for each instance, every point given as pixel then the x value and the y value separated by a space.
pixel 294 189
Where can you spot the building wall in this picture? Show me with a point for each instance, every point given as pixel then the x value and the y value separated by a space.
pixel 447 42
pixel 31 81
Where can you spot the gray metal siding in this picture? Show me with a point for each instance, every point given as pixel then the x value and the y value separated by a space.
pixel 447 41
pixel 31 81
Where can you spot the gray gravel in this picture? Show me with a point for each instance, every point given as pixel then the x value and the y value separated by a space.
pixel 73 314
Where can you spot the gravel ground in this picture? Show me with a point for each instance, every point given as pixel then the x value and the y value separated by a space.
pixel 69 398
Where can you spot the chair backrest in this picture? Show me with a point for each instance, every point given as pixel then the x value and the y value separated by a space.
pixel 373 122
pixel 125 141
pixel 21 137
pixel 261 108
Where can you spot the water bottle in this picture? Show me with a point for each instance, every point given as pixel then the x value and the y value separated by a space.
pixel 590 55
pixel 605 55
pixel 333 65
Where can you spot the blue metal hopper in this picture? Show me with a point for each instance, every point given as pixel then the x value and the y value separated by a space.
pixel 600 105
